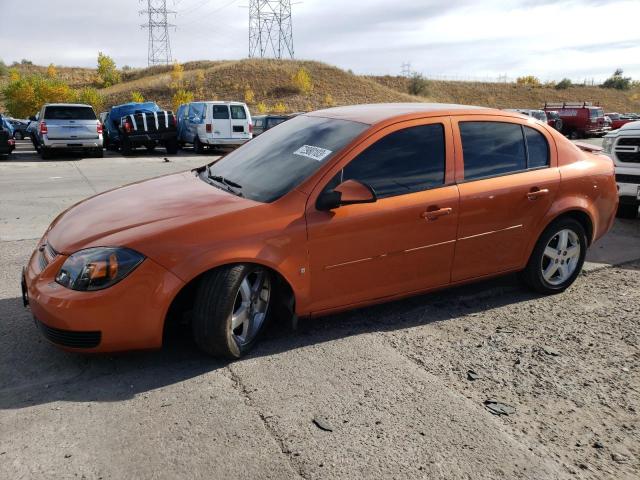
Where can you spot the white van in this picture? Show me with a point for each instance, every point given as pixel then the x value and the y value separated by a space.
pixel 205 124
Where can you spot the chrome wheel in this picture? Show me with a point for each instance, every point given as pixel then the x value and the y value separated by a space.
pixel 250 306
pixel 561 257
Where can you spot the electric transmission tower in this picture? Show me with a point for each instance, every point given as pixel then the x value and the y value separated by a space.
pixel 270 30
pixel 158 26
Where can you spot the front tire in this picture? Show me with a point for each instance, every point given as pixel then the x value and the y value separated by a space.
pixel 232 306
pixel 557 259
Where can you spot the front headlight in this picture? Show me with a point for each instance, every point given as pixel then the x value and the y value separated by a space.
pixel 607 143
pixel 97 268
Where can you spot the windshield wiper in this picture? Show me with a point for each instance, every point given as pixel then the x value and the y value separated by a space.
pixel 230 186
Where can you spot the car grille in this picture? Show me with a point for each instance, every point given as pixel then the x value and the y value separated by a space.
pixel 627 149
pixel 47 255
pixel 625 178
pixel 68 338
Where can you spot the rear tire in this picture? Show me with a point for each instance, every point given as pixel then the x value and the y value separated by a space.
pixel 171 146
pixel 557 259
pixel 232 307
pixel 150 148
pixel 125 147
pixel 18 136
pixel 198 146
pixel 45 153
pixel 98 153
pixel 627 211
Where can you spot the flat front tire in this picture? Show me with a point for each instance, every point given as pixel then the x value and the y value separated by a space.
pixel 232 306
pixel 557 259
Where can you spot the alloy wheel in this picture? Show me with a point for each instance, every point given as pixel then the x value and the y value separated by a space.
pixel 561 257
pixel 250 307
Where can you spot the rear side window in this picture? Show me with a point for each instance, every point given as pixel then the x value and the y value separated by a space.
pixel 405 161
pixel 259 123
pixel 64 112
pixel 497 148
pixel 537 148
pixel 238 112
pixel 272 122
pixel 196 112
pixel 220 112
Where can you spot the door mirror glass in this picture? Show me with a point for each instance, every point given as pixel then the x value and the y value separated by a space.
pixel 349 192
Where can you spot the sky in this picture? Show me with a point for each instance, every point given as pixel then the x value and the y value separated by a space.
pixel 551 39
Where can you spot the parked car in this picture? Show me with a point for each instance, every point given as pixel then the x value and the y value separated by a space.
pixel 618 120
pixel 537 114
pixel 140 124
pixel 214 124
pixel 579 120
pixel 7 142
pixel 623 145
pixel 262 123
pixel 68 127
pixel 19 128
pixel 329 211
pixel 554 120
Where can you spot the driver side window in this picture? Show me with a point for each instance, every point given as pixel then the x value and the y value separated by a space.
pixel 406 161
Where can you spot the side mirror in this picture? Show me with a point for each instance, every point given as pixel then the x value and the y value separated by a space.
pixel 349 192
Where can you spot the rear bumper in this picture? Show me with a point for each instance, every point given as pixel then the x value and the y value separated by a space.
pixel 226 141
pixel 127 316
pixel 72 143
pixel 151 138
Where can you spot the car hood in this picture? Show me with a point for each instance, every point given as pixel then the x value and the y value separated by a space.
pixel 131 216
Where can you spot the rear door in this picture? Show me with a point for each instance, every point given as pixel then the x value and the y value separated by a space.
pixel 240 122
pixel 221 121
pixel 195 118
pixel 508 177
pixel 70 122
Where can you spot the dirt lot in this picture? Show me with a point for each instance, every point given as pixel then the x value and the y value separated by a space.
pixel 401 387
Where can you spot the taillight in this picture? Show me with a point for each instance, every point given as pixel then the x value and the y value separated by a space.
pixel 173 120
pixel 11 142
pixel 127 126
pixel 99 128
pixel 250 127
pixel 209 128
pixel 43 128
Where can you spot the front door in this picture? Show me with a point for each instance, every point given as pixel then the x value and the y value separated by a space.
pixel 404 242
pixel 508 178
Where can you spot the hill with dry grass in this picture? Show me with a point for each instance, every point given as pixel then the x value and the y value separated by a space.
pixel 267 84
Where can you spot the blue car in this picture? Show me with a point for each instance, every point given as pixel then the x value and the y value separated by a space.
pixel 133 125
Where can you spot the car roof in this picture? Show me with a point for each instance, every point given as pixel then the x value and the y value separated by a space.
pixel 380 112
pixel 67 105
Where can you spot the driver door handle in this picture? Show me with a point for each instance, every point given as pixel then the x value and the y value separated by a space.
pixel 535 193
pixel 435 214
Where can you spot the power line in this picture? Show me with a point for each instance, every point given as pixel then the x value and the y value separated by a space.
pixel 270 29
pixel 159 47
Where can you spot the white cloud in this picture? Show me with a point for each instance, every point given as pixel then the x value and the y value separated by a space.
pixel 550 39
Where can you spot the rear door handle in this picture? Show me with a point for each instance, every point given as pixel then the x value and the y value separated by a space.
pixel 435 214
pixel 537 192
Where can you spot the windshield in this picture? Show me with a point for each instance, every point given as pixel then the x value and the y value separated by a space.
pixel 273 164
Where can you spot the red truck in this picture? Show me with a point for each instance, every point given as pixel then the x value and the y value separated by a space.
pixel 579 120
pixel 618 120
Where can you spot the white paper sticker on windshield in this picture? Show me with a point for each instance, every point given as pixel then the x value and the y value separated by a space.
pixel 315 153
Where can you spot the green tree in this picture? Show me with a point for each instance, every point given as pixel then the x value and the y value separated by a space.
pixel 107 73
pixel 564 84
pixel 90 96
pixel 418 84
pixel 3 69
pixel 617 81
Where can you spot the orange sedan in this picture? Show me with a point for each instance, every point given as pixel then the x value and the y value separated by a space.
pixel 329 211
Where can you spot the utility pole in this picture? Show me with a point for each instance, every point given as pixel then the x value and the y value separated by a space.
pixel 406 69
pixel 270 29
pixel 158 26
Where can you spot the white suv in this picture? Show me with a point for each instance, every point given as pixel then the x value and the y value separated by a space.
pixel 214 124
pixel 623 146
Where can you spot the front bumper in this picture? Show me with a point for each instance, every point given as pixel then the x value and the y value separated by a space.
pixel 127 316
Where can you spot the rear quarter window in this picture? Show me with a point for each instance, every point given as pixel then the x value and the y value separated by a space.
pixel 238 112
pixel 63 112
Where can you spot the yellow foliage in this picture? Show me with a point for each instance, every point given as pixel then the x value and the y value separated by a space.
pixel 529 81
pixel 328 100
pixel 90 96
pixel 107 73
pixel 261 107
pixel 180 97
pixel 177 77
pixel 280 108
pixel 51 71
pixel 137 97
pixel 302 81
pixel 249 96
pixel 14 75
